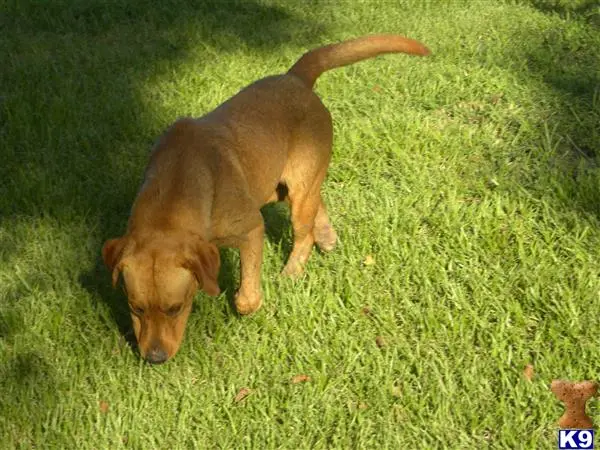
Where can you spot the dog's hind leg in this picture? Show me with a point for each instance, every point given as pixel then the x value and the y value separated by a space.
pixel 325 235
pixel 309 216
pixel 303 175
pixel 304 208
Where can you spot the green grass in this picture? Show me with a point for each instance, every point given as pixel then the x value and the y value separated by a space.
pixel 471 177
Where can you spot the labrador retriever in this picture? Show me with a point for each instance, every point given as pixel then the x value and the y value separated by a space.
pixel 206 182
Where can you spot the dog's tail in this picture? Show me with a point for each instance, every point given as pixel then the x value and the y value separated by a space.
pixel 315 62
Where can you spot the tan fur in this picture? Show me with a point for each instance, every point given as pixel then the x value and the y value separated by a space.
pixel 314 63
pixel 207 180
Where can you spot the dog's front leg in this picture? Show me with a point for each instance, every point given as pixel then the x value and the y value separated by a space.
pixel 248 298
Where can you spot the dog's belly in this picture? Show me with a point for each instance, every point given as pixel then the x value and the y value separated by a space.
pixel 263 171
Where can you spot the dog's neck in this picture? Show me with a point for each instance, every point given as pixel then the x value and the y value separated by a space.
pixel 149 216
pixel 180 225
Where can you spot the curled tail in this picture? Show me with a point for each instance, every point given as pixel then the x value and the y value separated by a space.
pixel 313 63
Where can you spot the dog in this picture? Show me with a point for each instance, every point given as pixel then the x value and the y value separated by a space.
pixel 206 181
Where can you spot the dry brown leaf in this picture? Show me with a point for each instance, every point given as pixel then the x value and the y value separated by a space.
pixel 369 260
pixel 528 372
pixel 242 394
pixel 103 406
pixel 362 405
pixel 300 379
pixel 380 341
pixel 366 310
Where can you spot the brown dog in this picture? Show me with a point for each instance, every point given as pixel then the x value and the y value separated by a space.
pixel 207 180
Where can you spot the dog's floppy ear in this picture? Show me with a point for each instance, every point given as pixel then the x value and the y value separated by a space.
pixel 204 261
pixel 111 254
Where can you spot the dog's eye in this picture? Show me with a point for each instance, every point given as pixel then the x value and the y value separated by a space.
pixel 137 310
pixel 174 310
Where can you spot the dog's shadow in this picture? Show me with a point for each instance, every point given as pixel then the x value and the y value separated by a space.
pixel 98 280
pixel 99 285
pixel 278 227
pixel 277 231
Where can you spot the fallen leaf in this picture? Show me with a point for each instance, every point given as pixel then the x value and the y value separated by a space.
pixel 103 406
pixel 242 394
pixel 362 405
pixel 528 372
pixel 366 310
pixel 300 379
pixel 380 341
pixel 369 260
pixel 376 88
pixel 397 391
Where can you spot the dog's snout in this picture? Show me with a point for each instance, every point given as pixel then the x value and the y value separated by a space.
pixel 156 355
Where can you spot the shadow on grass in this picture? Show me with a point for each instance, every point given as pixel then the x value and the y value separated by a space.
pixel 277 230
pixel 28 385
pixel 566 62
pixel 565 58
pixel 73 128
pixel 586 10
pixel 278 227
pixel 254 23
pixel 98 283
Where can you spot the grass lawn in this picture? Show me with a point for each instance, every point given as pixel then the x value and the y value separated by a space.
pixel 465 188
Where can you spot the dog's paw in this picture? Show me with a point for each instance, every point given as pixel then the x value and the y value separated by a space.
pixel 293 269
pixel 325 237
pixel 247 303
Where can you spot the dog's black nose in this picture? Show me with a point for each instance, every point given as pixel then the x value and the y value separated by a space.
pixel 156 355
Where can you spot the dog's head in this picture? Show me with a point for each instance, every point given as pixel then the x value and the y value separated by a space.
pixel 161 277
